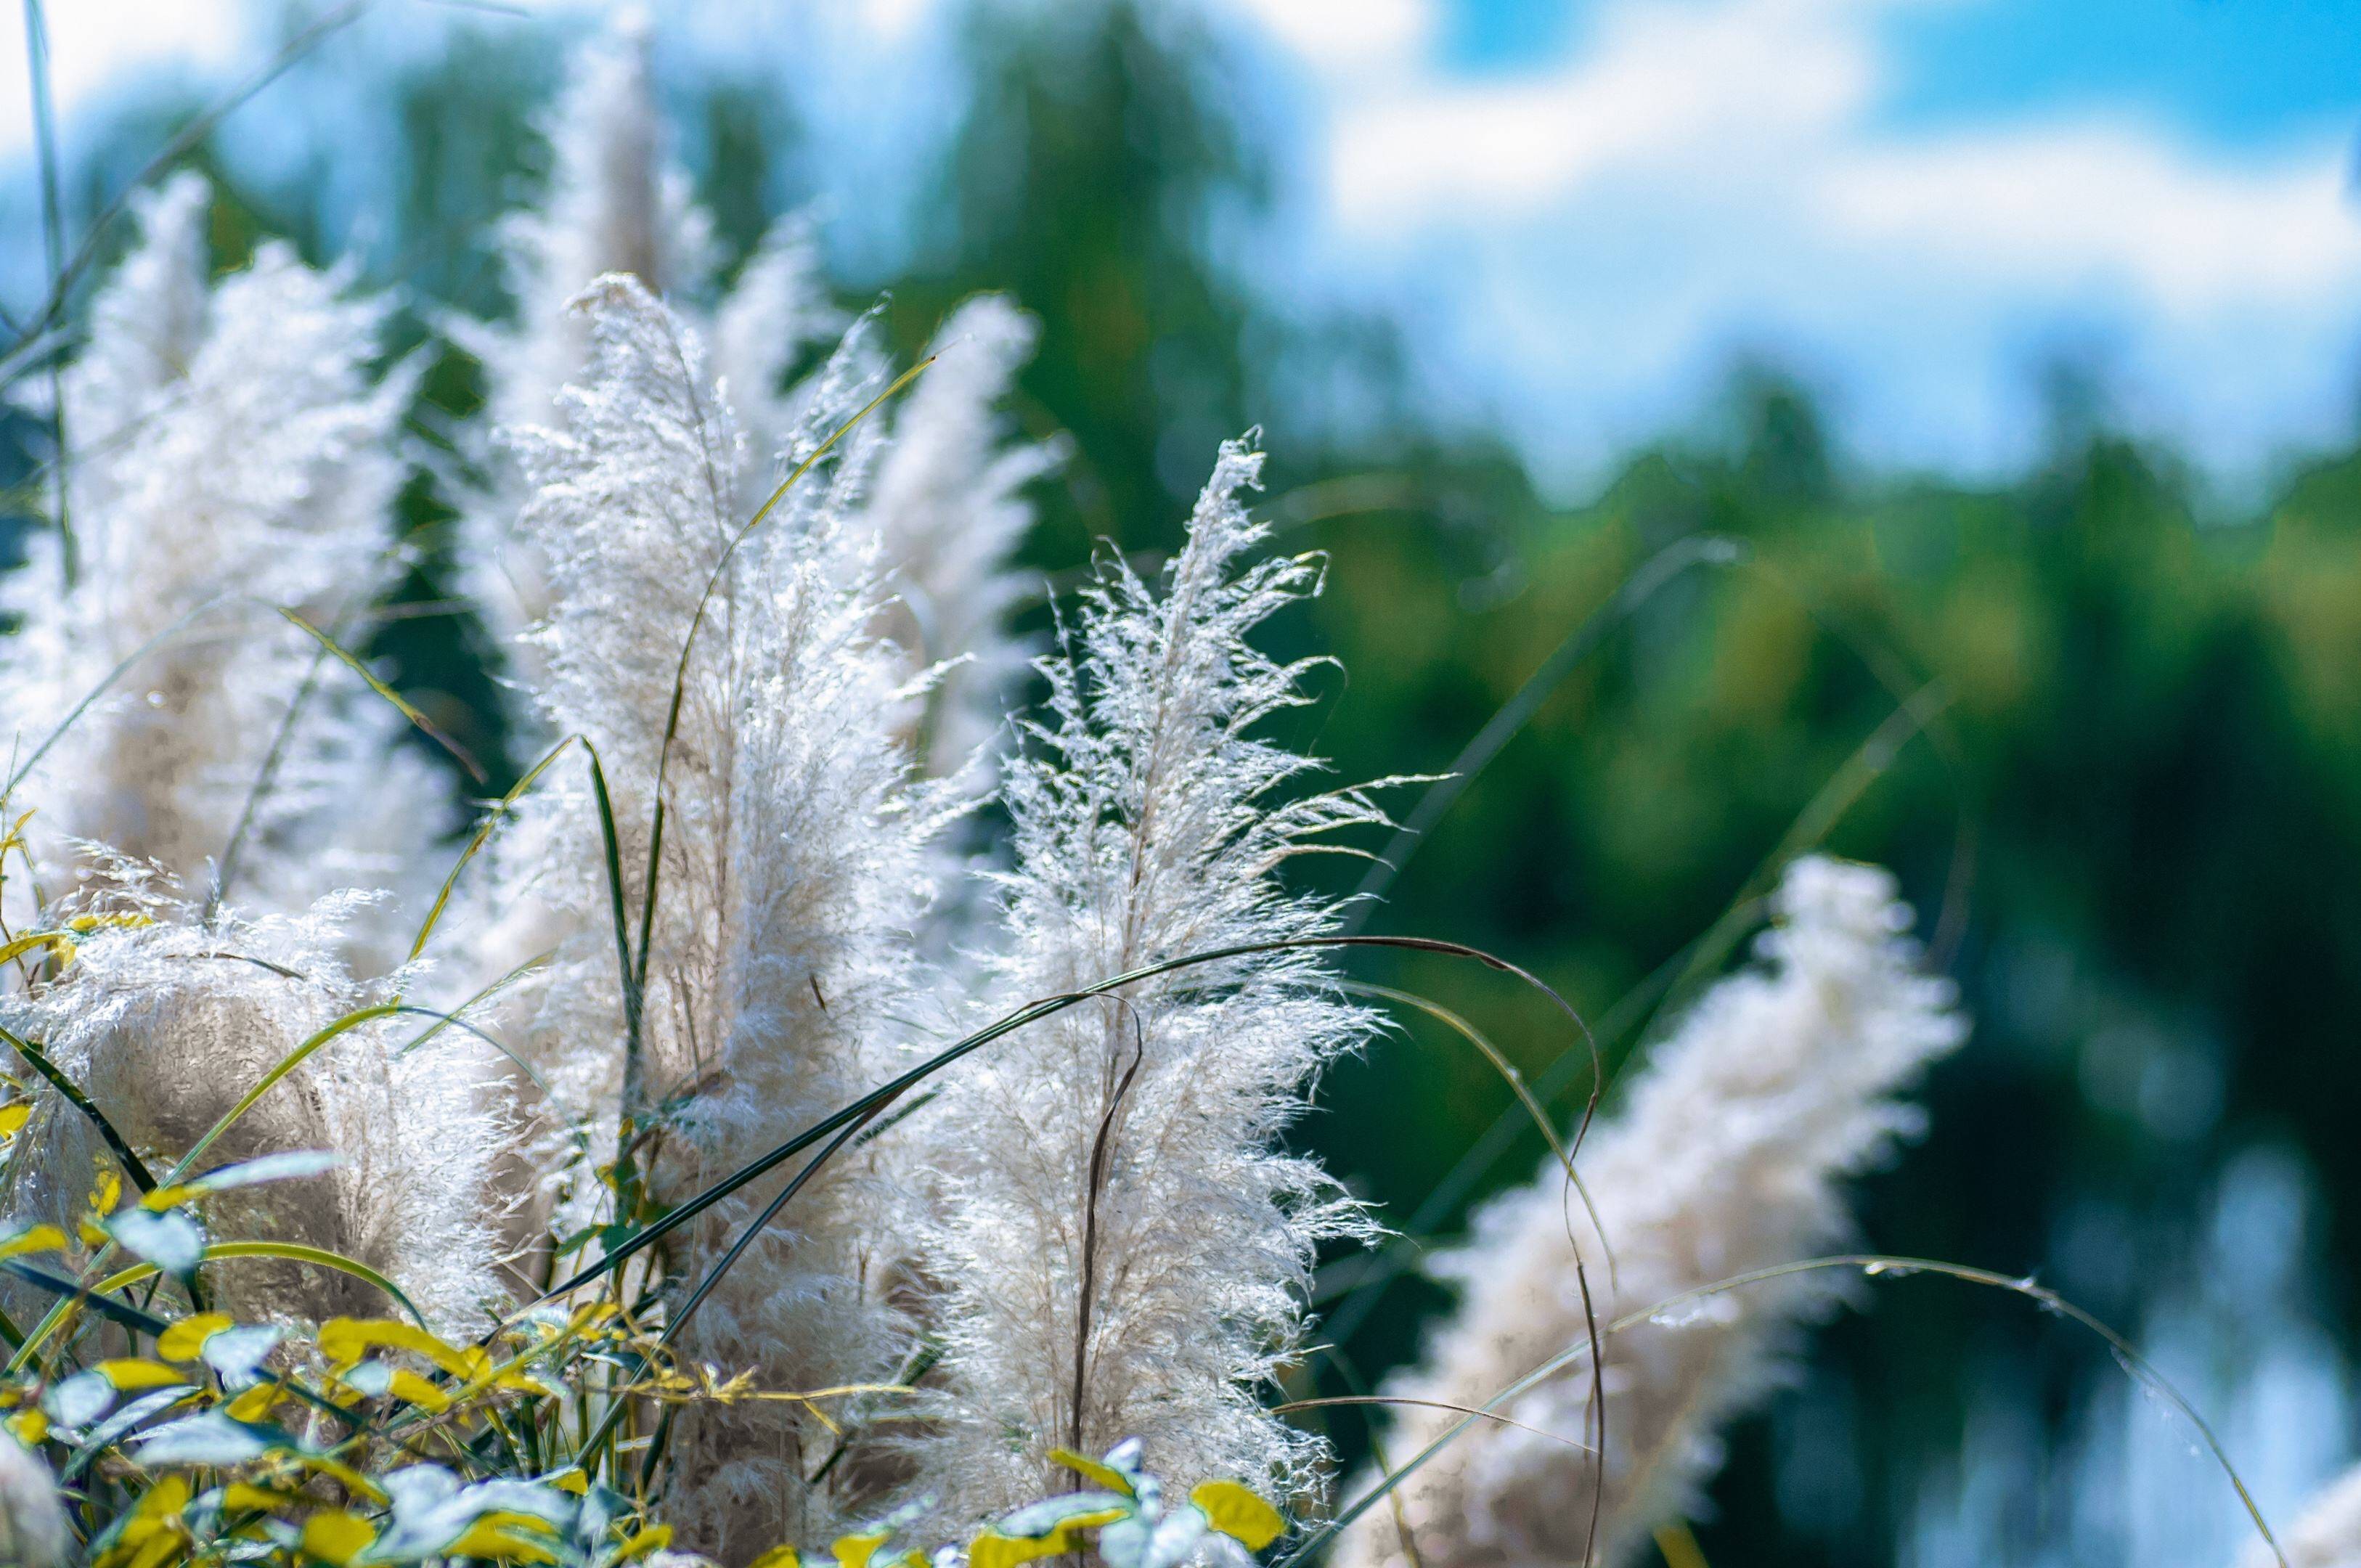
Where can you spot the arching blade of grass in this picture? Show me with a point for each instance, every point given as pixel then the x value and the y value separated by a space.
pixel 108 680
pixel 401 703
pixel 291 1252
pixel 483 834
pixel 1518 712
pixel 1704 955
pixel 285 1065
pixel 1875 1265
pixel 638 984
pixel 133 1165
pixel 1535 1111
pixel 886 1093
pixel 190 137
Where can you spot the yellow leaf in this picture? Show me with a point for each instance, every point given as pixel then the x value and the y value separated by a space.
pixel 1107 1475
pixel 993 1549
pixel 128 1373
pixel 107 1194
pixel 343 1340
pixel 353 1481
pixel 779 1557
pixel 14 1117
pixel 58 942
pixel 1680 1547
pixel 185 1340
pixel 573 1481
pixel 653 1539
pixel 334 1536
pixel 501 1536
pixel 29 1426
pixel 34 1238
pixel 1237 1513
pixel 855 1551
pixel 408 1385
pixel 255 1403
pixel 239 1495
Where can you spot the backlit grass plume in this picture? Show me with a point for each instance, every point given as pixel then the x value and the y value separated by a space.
pixel 616 202
pixel 949 511
pixel 1726 1158
pixel 165 1025
pixel 231 458
pixel 779 971
pixel 1121 1250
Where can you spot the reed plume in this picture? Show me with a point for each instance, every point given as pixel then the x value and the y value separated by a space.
pixel 1726 1158
pixel 1120 1249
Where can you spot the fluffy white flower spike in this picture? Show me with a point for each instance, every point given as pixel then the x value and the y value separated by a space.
pixel 948 511
pixel 166 1025
pixel 1726 1158
pixel 793 871
pixel 232 459
pixel 1121 1251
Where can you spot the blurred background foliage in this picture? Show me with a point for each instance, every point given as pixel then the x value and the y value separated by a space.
pixel 2109 737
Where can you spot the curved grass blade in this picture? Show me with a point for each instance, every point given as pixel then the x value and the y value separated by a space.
pixel 425 725
pixel 98 691
pixel 225 868
pixel 884 1094
pixel 286 1065
pixel 688 646
pixel 632 997
pixel 1534 1110
pixel 133 1165
pixel 291 1252
pixel 1875 1265
pixel 1518 712
pixel 620 1398
pixel 482 835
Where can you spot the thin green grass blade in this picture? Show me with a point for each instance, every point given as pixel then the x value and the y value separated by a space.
pixel 286 1065
pixel 688 646
pixel 53 246
pixel 1534 1111
pixel 98 691
pixel 225 868
pixel 133 1165
pixel 1513 714
pixel 632 996
pixel 483 834
pixel 401 703
pixel 291 1252
pixel 886 1093
pixel 1876 1265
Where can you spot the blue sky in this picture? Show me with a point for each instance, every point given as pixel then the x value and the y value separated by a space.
pixel 1590 212
pixel 1583 216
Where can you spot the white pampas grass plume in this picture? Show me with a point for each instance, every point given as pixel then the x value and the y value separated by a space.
pixel 233 459
pixel 1121 1251
pixel 618 203
pixel 166 1025
pixel 32 1528
pixel 2326 1535
pixel 1726 1158
pixel 948 511
pixel 793 870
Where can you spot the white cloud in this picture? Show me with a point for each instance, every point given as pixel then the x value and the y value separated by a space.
pixel 1581 249
pixel 91 42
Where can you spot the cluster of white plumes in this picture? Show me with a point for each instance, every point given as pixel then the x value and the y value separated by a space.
pixel 763 621
pixel 1726 1160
